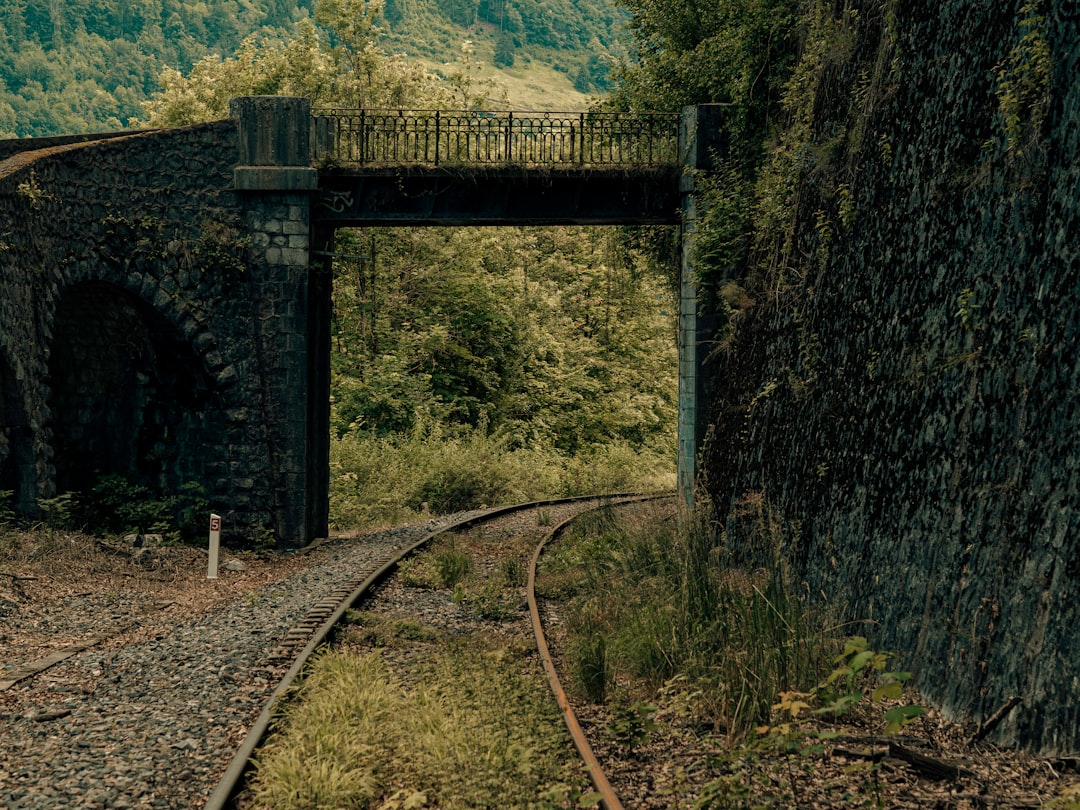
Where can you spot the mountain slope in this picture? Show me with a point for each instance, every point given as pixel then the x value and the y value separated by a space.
pixel 70 66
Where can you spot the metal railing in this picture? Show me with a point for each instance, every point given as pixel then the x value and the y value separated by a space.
pixel 440 138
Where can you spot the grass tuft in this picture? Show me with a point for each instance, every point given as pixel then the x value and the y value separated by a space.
pixel 465 732
pixel 663 606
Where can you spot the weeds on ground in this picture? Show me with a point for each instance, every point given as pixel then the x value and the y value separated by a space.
pixel 452 564
pixel 650 604
pixel 115 505
pixel 489 601
pixel 376 630
pixel 403 479
pixel 858 687
pixel 859 676
pixel 491 596
pixel 464 732
pixel 443 566
pixel 630 726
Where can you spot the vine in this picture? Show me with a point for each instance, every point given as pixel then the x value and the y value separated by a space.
pixel 1023 81
pixel 33 193
pixel 132 237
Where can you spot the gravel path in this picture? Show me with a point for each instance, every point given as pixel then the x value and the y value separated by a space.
pixel 151 717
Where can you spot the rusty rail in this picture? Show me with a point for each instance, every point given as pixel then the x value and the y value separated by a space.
pixel 473 137
pixel 326 614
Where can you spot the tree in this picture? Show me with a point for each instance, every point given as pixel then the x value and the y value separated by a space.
pixel 342 67
pixel 504 50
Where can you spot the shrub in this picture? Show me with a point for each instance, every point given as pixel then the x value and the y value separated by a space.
pixel 376 480
pixel 116 505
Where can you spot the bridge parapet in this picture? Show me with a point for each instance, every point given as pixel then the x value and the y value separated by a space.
pixel 351 137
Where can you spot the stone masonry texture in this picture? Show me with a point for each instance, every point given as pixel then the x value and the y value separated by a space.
pixel 907 402
pixel 152 325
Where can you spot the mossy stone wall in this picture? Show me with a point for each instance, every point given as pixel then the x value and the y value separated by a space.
pixel 907 397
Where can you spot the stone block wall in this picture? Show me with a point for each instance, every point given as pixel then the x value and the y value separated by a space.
pixel 144 300
pixel 907 397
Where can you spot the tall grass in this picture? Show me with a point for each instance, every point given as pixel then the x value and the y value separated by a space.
pixel 463 733
pixel 660 603
pixel 376 481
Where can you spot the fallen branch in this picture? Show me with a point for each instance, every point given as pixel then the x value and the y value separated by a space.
pixel 873 754
pixel 992 722
pixel 928 766
pixel 18 577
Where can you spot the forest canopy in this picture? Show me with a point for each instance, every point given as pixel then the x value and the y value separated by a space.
pixel 73 66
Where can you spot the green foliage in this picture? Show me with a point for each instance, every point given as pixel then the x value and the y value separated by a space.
pixel 463 731
pixel 594 75
pixel 453 565
pixel 377 630
pixel 220 250
pixel 488 601
pixel 587 655
pixel 75 66
pixel 474 366
pixel 504 50
pixel 1024 81
pixel 59 511
pixel 551 338
pixel 734 52
pixel 668 610
pixel 723 230
pixel 33 193
pixel 7 513
pixel 800 82
pixel 630 726
pixel 452 489
pixel 70 66
pixel 859 675
pixel 739 53
pixel 119 506
pixel 806 151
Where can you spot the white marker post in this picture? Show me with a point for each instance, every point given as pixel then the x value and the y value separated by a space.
pixel 215 544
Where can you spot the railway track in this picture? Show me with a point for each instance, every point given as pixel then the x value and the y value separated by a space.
pixel 326 615
pixel 152 712
pixel 173 701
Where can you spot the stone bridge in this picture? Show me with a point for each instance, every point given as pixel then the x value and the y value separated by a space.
pixel 165 294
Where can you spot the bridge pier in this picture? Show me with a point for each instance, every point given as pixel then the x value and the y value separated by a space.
pixel 274 182
pixel 700 142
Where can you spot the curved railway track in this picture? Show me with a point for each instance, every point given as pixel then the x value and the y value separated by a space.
pixel 316 628
pixel 149 713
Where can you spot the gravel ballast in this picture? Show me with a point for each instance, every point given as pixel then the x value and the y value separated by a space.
pixel 151 717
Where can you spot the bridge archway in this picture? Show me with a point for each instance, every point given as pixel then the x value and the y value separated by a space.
pixel 16 444
pixel 127 392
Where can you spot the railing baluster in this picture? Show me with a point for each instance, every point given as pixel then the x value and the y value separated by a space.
pixel 543 138
pixel 437 133
pixel 509 138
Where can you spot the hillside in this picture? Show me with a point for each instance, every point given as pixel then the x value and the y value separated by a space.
pixel 70 66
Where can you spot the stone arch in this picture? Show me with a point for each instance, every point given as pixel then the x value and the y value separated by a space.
pixel 182 310
pixel 128 393
pixel 17 469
